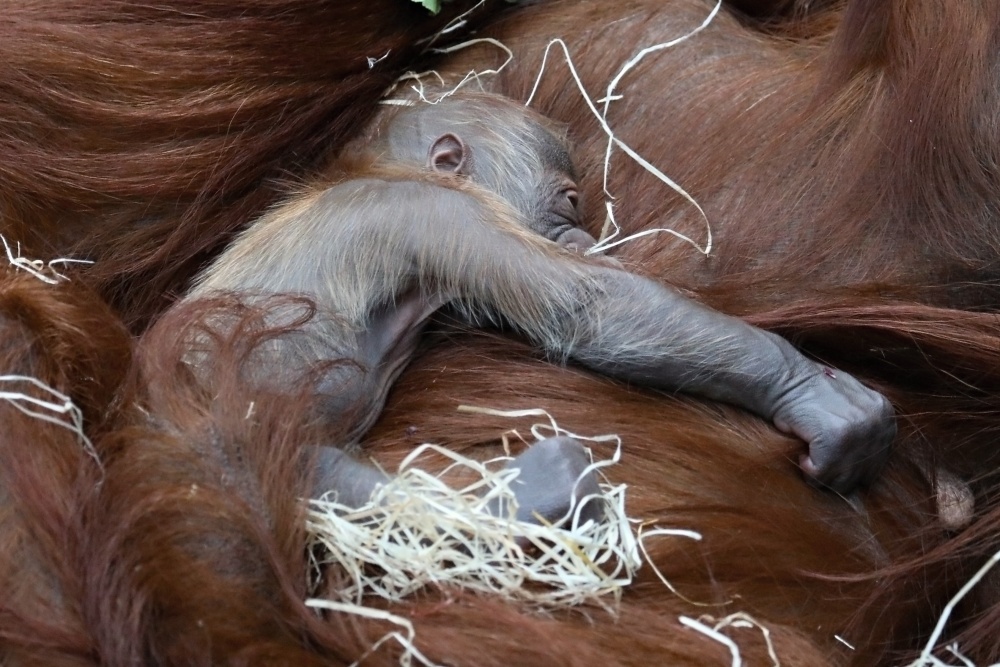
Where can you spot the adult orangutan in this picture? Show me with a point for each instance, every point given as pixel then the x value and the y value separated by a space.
pixel 850 181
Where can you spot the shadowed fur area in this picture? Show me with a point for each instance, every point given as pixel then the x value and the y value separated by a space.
pixel 845 153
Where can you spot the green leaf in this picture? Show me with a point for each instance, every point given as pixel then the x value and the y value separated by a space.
pixel 433 6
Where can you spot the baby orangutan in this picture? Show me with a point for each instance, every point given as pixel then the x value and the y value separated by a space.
pixel 472 203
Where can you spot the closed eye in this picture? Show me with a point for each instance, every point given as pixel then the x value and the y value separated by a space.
pixel 573 197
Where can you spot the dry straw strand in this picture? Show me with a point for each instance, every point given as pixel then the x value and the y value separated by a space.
pixel 628 150
pixel 455 24
pixel 61 411
pixel 410 650
pixel 715 635
pixel 37 267
pixel 743 620
pixel 927 658
pixel 472 75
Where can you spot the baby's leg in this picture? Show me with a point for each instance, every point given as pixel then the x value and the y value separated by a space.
pixel 549 486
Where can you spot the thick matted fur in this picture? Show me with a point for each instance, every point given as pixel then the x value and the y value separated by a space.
pixel 847 161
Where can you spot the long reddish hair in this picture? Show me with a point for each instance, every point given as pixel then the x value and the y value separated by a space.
pixel 844 155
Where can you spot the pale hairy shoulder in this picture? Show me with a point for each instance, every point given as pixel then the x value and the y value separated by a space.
pixel 409 215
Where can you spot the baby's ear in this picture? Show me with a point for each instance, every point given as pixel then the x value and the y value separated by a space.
pixel 447 154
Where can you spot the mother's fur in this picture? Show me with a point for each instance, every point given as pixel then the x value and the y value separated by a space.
pixel 850 175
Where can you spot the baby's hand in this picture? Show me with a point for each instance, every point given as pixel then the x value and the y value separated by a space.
pixel 848 427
